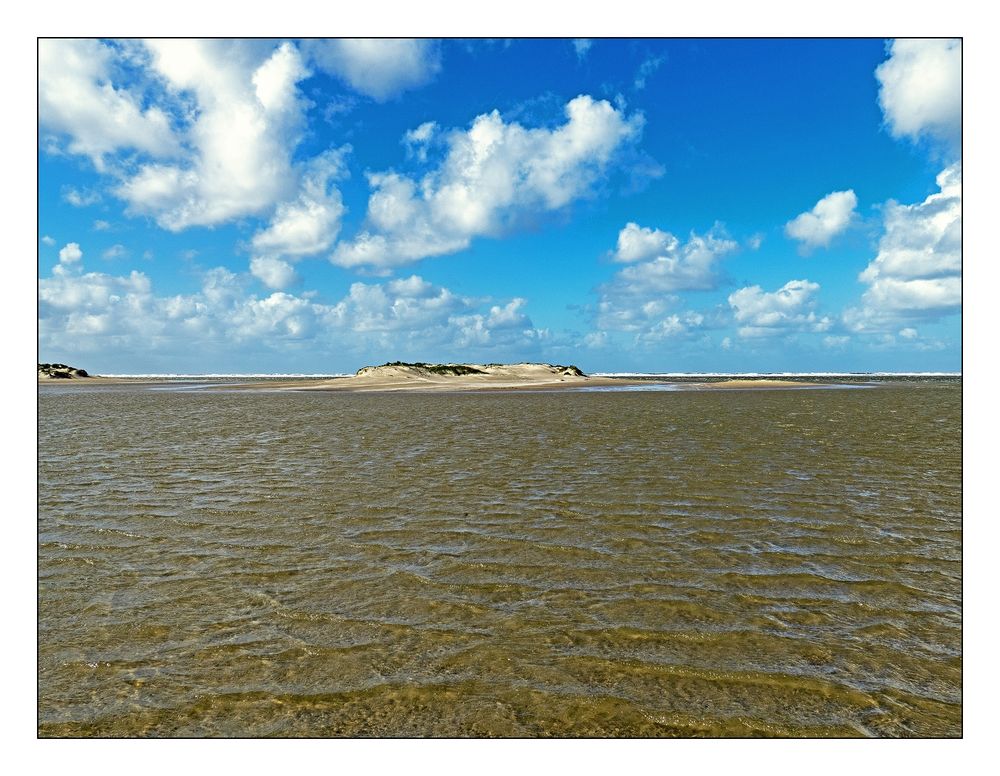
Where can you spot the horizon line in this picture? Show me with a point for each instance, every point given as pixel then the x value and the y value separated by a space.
pixel 594 374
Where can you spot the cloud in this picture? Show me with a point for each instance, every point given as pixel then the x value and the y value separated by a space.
pixel 78 313
pixel 338 105
pixel 671 327
pixel 48 240
pixel 101 226
pixel 916 296
pixel 917 271
pixel 95 312
pixel 636 243
pixel 920 89
pixel 828 218
pixel 217 144
pixel 642 298
pixel 493 176
pixel 379 68
pixel 582 46
pixel 116 251
pixel 649 322
pixel 309 224
pixel 417 140
pixel 78 98
pixel 80 197
pixel 245 117
pixel 273 273
pixel 649 66
pixel 402 304
pixel 660 263
pixel 410 308
pixel 70 253
pixel 765 314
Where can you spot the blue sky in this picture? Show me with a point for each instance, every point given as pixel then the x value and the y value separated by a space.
pixel 621 204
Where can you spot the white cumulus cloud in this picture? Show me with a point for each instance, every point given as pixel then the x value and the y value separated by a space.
pixel 642 298
pixel 921 89
pixel 78 98
pixel 917 271
pixel 310 223
pixel 637 243
pixel 660 263
pixel 70 253
pixel 763 313
pixel 493 175
pixel 828 218
pixel 417 140
pixel 380 68
pixel 246 116
pixel 97 312
pixel 273 273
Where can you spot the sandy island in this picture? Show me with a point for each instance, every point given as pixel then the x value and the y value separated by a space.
pixel 762 382
pixel 445 377
pixel 421 377
pixel 395 377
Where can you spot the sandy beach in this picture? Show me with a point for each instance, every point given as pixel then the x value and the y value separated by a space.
pixel 96 380
pixel 740 384
pixel 435 378
pixel 431 378
pixel 492 377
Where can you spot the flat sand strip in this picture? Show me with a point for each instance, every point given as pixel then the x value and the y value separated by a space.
pixel 445 384
pixel 398 381
pixel 96 380
pixel 474 383
pixel 752 383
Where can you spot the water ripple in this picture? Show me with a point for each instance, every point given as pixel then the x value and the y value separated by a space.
pixel 651 563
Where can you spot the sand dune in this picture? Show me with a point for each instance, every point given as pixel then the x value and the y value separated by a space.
pixel 398 376
pixel 754 383
pixel 450 377
pixel 469 377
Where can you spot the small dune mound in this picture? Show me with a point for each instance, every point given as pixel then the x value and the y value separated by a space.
pixel 59 372
pixel 421 370
pixel 418 368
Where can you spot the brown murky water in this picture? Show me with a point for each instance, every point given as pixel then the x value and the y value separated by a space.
pixel 569 564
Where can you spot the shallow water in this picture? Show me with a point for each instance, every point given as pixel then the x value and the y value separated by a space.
pixel 661 563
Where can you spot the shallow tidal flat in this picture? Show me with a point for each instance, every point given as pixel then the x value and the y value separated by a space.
pixel 677 563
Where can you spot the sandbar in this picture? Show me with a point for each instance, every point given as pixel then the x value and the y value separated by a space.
pixel 754 383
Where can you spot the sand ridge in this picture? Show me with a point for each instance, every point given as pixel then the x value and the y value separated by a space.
pixel 461 377
pixel 756 382
pixel 451 377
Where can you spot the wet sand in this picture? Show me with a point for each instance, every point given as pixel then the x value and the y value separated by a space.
pixel 755 383
pixel 99 380
pixel 491 383
pixel 437 383
pixel 462 383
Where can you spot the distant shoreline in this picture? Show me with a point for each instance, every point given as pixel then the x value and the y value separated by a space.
pixel 597 383
pixel 397 376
